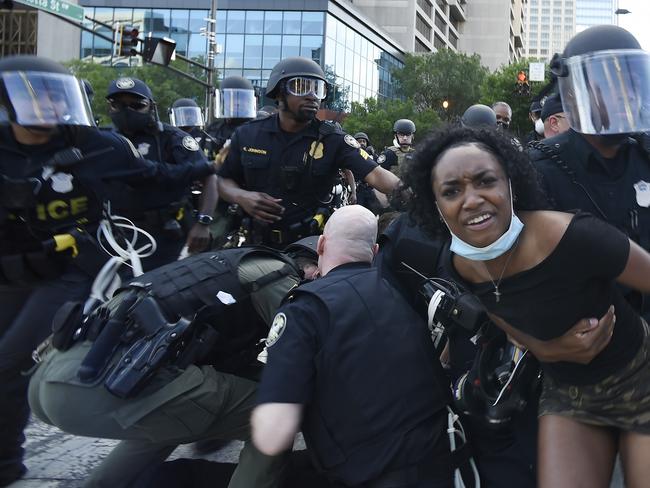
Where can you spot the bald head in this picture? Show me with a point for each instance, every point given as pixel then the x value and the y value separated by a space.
pixel 350 235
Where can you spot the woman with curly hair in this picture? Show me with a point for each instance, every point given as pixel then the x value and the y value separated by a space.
pixel 538 272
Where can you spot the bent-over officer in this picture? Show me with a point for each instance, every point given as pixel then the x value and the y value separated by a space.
pixel 96 384
pixel 162 210
pixel 281 169
pixel 53 180
pixel 352 365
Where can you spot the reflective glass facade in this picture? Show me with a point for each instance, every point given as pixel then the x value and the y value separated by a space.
pixel 251 42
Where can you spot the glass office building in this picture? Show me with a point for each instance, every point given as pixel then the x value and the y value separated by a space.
pixel 251 42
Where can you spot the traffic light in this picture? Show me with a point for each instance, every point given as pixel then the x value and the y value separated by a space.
pixel 521 77
pixel 128 41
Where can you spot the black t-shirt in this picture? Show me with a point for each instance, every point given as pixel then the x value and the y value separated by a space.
pixel 574 282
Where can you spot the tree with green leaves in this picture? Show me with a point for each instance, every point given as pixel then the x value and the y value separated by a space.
pixel 338 96
pixel 376 118
pixel 433 78
pixel 166 85
pixel 502 86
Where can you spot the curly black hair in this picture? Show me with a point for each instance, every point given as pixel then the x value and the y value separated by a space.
pixel 526 188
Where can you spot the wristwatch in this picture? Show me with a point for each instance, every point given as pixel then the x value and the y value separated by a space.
pixel 204 219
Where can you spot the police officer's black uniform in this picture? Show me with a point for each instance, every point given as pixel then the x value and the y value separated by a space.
pixel 300 168
pixel 163 210
pixel 345 346
pixel 50 204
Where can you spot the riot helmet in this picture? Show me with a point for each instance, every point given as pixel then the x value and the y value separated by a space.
pixel 39 92
pixel 305 254
pixel 403 130
pixel 362 136
pixel 132 107
pixel 185 112
pixel 298 76
pixel 479 115
pixel 604 81
pixel 235 99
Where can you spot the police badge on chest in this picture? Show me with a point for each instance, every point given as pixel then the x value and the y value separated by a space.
pixel 60 182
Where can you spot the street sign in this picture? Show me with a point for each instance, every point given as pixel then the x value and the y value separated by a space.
pixel 536 71
pixel 57 7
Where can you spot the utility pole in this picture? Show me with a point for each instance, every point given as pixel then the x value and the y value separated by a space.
pixel 211 35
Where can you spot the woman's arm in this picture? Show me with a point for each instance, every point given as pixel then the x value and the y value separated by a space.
pixel 636 274
pixel 580 344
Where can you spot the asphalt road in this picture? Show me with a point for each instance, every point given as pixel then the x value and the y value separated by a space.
pixel 58 460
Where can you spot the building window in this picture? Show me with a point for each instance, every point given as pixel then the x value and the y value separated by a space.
pixel 291 24
pixel 236 22
pixel 422 27
pixel 440 23
pixel 273 23
pixel 453 40
pixel 438 43
pixel 420 47
pixel 426 6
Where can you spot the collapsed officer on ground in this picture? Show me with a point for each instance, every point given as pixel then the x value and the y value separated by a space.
pixel 352 366
pixel 395 156
pixel 207 393
pixel 163 211
pixel 596 166
pixel 281 169
pixel 53 178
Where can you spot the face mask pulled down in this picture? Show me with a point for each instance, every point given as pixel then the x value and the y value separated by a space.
pixel 491 251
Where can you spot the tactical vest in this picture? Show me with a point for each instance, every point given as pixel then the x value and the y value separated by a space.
pixel 193 311
pixel 368 321
pixel 401 158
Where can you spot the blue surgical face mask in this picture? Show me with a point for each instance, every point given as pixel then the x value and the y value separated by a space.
pixel 502 245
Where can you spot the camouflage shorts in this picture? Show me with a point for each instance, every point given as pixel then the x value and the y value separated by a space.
pixel 621 400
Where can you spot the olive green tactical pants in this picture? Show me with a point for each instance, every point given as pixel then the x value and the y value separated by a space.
pixel 200 403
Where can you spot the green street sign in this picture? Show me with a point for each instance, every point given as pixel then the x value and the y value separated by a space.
pixel 57 7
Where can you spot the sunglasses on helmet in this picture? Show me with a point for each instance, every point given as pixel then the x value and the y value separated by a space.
pixel 300 87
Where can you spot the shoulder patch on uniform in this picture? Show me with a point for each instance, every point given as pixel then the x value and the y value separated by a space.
pixel 351 141
pixel 190 143
pixel 381 158
pixel 125 83
pixel 277 328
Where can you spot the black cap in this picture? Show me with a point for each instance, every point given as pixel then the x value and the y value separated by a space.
pixel 129 85
pixel 535 107
pixel 552 106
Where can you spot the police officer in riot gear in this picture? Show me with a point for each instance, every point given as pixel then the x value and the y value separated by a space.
pixel 597 166
pixel 165 212
pixel 281 169
pixel 479 115
pixel 55 171
pixel 219 306
pixel 363 139
pixel 236 105
pixel 393 157
pixel 187 116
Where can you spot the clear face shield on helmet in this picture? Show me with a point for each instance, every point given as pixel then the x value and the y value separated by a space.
pixel 235 103
pixel 186 117
pixel 37 98
pixel 607 92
